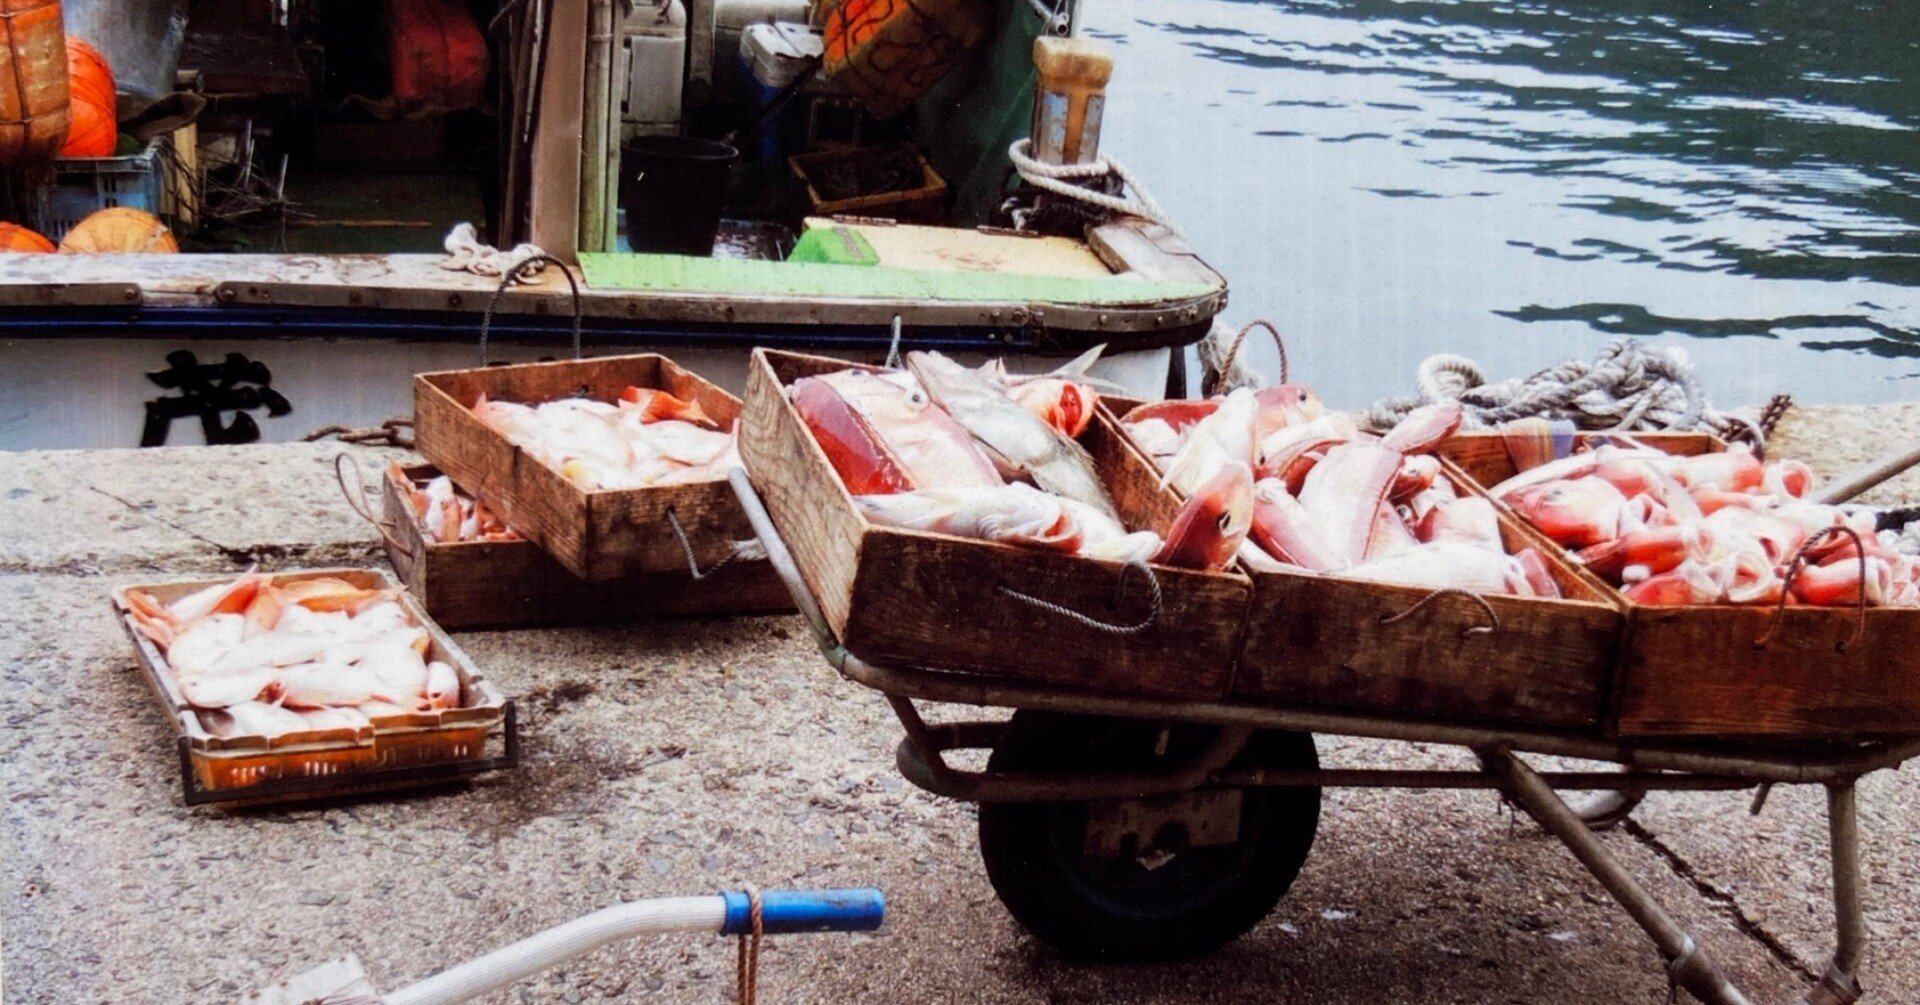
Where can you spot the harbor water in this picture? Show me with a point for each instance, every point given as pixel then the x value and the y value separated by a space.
pixel 1520 182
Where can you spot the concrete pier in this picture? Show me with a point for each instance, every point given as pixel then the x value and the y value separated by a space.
pixel 677 758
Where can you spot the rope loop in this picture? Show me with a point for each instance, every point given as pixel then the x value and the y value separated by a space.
pixel 1493 619
pixel 686 548
pixel 513 276
pixel 1058 178
pixel 1279 343
pixel 1793 570
pixel 357 501
pixel 748 968
pixel 1120 594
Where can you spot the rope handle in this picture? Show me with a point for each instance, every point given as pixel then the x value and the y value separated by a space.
pixel 1793 570
pixel 1493 619
pixel 686 548
pixel 748 960
pixel 507 280
pixel 357 501
pixel 1279 342
pixel 1120 593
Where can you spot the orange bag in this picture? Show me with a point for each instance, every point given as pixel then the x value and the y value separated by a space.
pixel 33 83
pixel 886 53
pixel 95 129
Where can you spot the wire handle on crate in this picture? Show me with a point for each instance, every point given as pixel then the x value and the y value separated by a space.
pixel 1793 570
pixel 686 548
pixel 1493 619
pixel 512 276
pixel 748 964
pixel 1120 593
pixel 357 501
pixel 1279 343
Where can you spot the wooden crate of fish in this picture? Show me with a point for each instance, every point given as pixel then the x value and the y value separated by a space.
pixel 311 684
pixel 891 489
pixel 471 572
pixel 1752 609
pixel 1381 582
pixel 595 460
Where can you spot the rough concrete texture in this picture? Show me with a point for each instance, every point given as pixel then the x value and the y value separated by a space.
pixel 667 758
pixel 1836 439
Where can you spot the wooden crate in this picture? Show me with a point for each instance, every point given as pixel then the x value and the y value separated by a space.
pixel 1700 671
pixel 469 585
pixel 900 597
pixel 417 748
pixel 595 535
pixel 1328 641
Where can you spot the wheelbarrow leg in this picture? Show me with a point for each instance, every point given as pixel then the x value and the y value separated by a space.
pixel 1686 961
pixel 1838 986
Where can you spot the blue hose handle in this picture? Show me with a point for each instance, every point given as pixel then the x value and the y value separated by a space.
pixel 859 909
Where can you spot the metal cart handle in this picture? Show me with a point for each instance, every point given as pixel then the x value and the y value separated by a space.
pixel 853 910
pixel 782 561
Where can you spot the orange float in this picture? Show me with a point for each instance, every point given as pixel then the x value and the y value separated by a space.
pixel 33 83
pixel 119 230
pixel 94 129
pixel 14 237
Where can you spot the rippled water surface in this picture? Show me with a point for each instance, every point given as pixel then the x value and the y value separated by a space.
pixel 1521 182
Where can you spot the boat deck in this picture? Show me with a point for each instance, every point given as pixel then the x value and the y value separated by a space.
pixel 688 757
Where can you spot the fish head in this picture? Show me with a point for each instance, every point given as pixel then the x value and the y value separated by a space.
pixel 1284 405
pixel 1179 414
pixel 1210 527
pixel 1424 428
pixel 1063 404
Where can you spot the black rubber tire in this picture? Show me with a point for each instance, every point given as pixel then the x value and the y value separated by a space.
pixel 1193 904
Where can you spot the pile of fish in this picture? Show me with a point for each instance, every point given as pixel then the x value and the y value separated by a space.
pixel 1330 498
pixel 979 453
pixel 1718 528
pixel 647 438
pixel 255 658
pixel 446 515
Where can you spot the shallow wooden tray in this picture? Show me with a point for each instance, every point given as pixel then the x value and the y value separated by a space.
pixel 1722 670
pixel 908 598
pixel 1326 640
pixel 395 751
pixel 469 585
pixel 595 535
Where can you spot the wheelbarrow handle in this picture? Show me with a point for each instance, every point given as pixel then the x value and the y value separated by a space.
pixel 781 559
pixel 856 910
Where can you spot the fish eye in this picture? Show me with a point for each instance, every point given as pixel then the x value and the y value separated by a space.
pixel 1226 519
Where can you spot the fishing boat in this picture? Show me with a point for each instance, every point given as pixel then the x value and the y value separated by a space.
pixel 844 176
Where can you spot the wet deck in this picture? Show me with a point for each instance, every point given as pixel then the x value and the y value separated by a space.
pixel 678 758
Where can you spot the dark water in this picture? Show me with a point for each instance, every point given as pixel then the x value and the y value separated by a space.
pixel 1520 182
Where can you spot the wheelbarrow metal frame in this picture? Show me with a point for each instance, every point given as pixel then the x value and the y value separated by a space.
pixel 1649 766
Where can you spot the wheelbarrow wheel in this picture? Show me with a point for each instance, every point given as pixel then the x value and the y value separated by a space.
pixel 1170 899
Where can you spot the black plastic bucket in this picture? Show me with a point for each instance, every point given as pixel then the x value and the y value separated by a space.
pixel 673 188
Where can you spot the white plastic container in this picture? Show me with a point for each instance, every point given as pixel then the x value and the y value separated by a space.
pixel 778 53
pixel 653 49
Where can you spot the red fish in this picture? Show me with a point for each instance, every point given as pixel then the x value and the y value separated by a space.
pixel 1178 413
pixel 1344 492
pixel 1281 406
pixel 1838 583
pixel 1579 513
pixel 1687 583
pixel 1731 471
pixel 1656 549
pixel 1424 428
pixel 1063 404
pixel 863 463
pixel 1211 526
pixel 1284 529
pixel 656 405
pixel 1535 575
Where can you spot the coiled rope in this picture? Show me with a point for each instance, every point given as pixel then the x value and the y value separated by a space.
pixel 1627 386
pixel 1059 179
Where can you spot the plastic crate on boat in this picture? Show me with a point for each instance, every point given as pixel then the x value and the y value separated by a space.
pixel 85 185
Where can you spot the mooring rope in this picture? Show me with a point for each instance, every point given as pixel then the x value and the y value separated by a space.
pixel 1059 179
pixel 1627 386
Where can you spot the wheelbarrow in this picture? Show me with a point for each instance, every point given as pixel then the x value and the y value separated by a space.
pixel 747 913
pixel 1126 828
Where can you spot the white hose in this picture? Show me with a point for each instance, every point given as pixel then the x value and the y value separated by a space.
pixel 1058 179
pixel 510 964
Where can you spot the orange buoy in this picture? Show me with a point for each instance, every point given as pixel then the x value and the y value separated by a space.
pixel 119 229
pixel 14 237
pixel 94 128
pixel 33 83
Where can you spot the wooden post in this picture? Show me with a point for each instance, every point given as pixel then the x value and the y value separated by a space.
pixel 557 133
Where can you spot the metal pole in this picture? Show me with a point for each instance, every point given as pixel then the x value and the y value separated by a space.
pixel 1687 962
pixel 1838 986
pixel 1873 473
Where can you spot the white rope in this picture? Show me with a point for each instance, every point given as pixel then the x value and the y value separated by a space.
pixel 1059 178
pixel 465 253
pixel 1627 386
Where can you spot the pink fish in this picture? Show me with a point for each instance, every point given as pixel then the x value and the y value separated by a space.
pixel 1424 428
pixel 1653 551
pixel 1284 405
pixel 1284 529
pixel 1579 513
pixel 1470 519
pixel 864 464
pixel 1064 404
pixel 1343 494
pixel 1687 583
pixel 929 445
pixel 1209 529
pixel 1177 413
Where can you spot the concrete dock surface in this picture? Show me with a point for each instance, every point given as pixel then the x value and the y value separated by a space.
pixel 683 758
